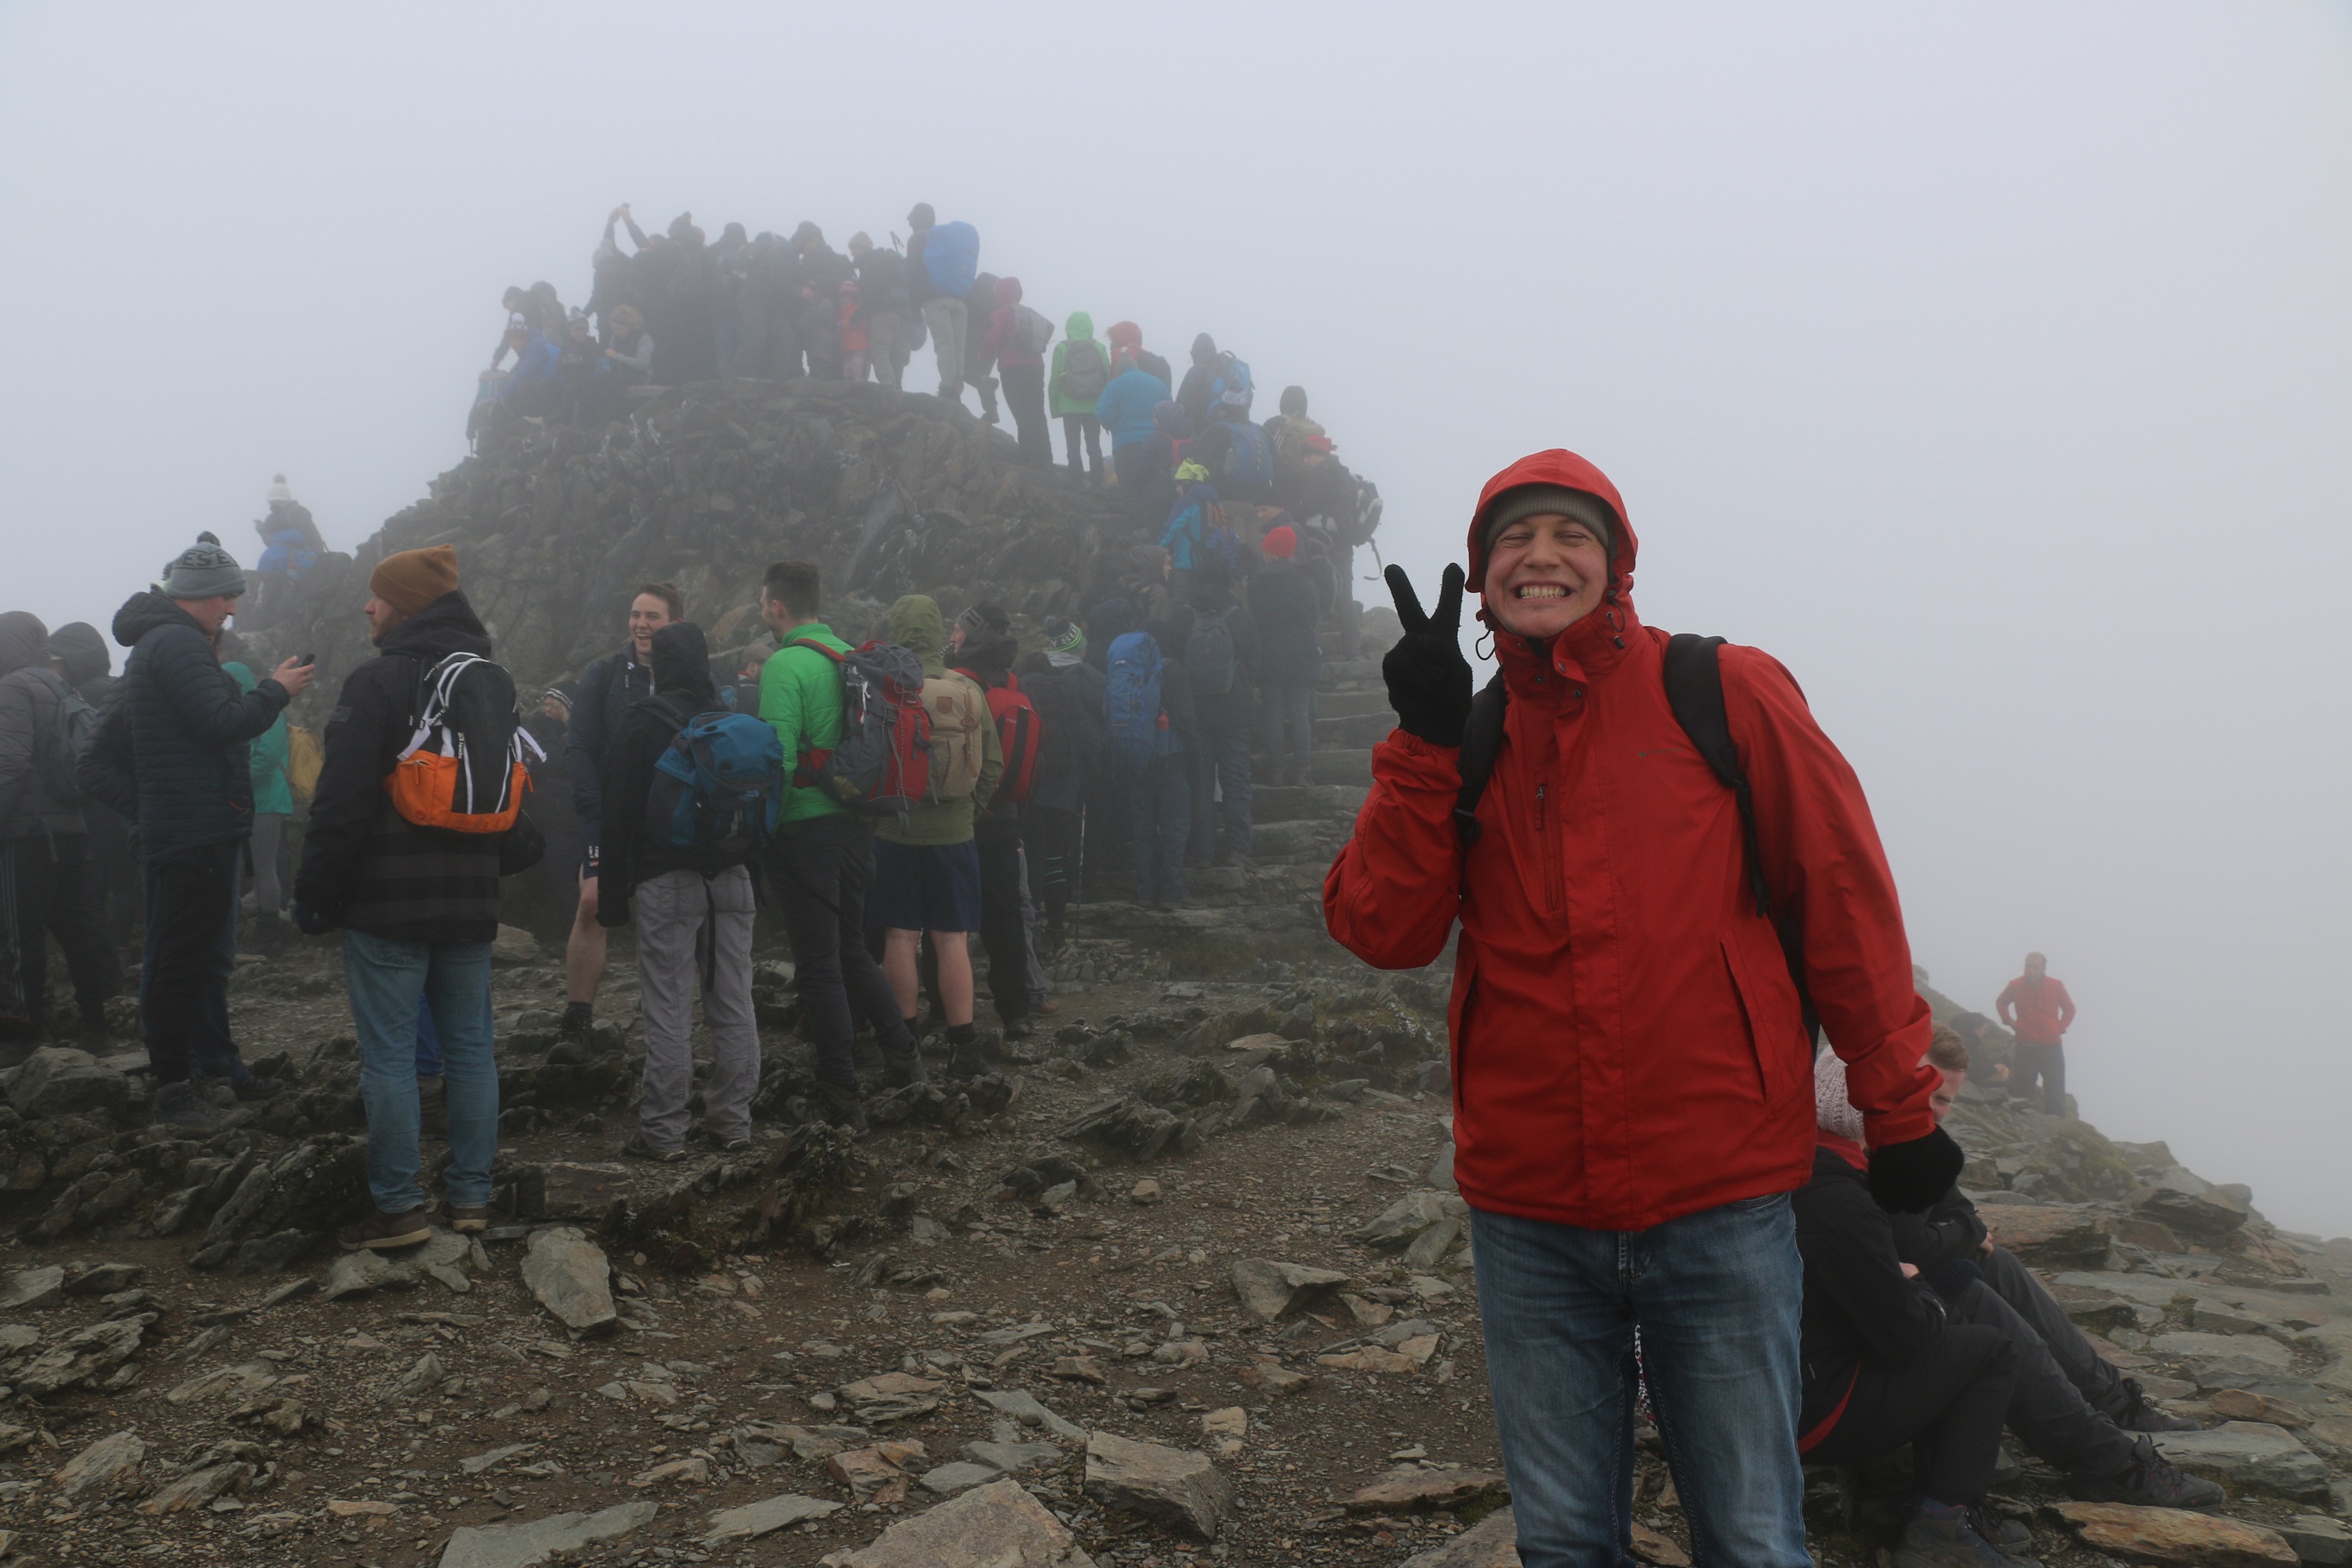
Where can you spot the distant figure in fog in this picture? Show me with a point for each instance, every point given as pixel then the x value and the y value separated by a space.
pixel 2035 1006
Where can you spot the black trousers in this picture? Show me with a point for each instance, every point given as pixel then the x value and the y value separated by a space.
pixel 2047 1063
pixel 111 868
pixel 819 870
pixel 194 915
pixel 1052 836
pixel 46 891
pixel 1001 930
pixel 1024 393
pixel 1949 1405
pixel 1087 427
pixel 2099 1383
pixel 1109 829
pixel 2046 1411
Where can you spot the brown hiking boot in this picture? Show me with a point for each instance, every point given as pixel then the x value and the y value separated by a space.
pixel 381 1232
pixel 469 1219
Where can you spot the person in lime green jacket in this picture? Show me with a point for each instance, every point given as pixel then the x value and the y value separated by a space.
pixel 1081 370
pixel 820 859
pixel 273 819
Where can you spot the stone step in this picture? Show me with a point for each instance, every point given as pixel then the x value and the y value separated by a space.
pixel 1356 730
pixel 1348 704
pixel 1360 674
pixel 1341 767
pixel 1294 803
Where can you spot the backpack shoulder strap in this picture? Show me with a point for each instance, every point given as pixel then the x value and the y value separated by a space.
pixel 813 643
pixel 1482 741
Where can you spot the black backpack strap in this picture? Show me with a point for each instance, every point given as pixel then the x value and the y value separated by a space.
pixel 1482 741
pixel 1693 681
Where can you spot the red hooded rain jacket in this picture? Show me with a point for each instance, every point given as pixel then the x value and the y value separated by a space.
pixel 1628 1046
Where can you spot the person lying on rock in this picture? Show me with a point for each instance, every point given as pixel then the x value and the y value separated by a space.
pixel 1631 1040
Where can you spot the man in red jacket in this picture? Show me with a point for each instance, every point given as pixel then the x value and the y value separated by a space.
pixel 2037 1007
pixel 1633 1074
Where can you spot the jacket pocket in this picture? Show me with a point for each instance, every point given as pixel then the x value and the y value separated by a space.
pixel 1776 1026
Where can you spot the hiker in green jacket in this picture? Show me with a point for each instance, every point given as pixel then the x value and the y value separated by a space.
pixel 820 859
pixel 926 866
pixel 1081 370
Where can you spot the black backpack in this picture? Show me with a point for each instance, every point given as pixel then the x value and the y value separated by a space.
pixel 71 728
pixel 1693 681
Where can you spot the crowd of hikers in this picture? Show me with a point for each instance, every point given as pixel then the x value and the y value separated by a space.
pixel 1699 1102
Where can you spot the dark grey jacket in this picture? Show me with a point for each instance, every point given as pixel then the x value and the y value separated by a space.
pixel 607 689
pixel 1283 603
pixel 190 730
pixel 30 696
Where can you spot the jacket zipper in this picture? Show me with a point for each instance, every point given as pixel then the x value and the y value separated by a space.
pixel 1550 850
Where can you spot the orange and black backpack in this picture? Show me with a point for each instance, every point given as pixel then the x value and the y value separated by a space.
pixel 463 768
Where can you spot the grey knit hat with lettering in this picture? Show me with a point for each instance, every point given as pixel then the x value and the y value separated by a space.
pixel 203 572
pixel 1522 501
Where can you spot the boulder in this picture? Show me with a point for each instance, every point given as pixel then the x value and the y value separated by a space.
pixel 958 1476
pixel 1268 1289
pixel 107 1466
pixel 1173 1487
pixel 57 1081
pixel 570 1276
pixel 1024 1407
pixel 29 1289
pixel 2248 1457
pixel 524 1543
pixel 1394 1227
pixel 83 1356
pixel 754 1519
pixel 513 946
pixel 2171 1537
pixel 2051 1237
pixel 2193 1207
pixel 2317 1538
pixel 987 1527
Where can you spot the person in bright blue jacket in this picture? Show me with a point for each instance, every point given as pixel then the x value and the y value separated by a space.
pixel 1125 410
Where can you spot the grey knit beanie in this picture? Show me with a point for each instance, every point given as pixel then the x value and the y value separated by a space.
pixel 203 572
pixel 1522 501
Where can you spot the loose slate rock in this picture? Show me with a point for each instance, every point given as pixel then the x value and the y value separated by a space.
pixel 958 1475
pixel 2248 1457
pixel 30 1290
pixel 569 1275
pixel 1414 1487
pixel 523 1544
pixel 1171 1487
pixel 987 1527
pixel 754 1519
pixel 61 1081
pixel 1492 1543
pixel 2173 1537
pixel 106 1466
pixel 2316 1538
pixel 1024 1407
pixel 1268 1289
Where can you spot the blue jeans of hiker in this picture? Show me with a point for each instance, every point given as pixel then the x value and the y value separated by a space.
pixel 388 983
pixel 1715 1297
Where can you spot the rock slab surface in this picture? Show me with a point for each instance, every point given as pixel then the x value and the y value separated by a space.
pixel 987 1527
pixel 535 1541
pixel 2173 1537
pixel 1171 1487
pixel 568 1273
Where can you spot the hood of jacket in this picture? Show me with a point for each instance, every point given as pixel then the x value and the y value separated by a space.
pixel 1594 646
pixel 916 625
pixel 1565 469
pixel 1204 350
pixel 144 612
pixel 1077 326
pixel 1125 336
pixel 681 660
pixel 444 626
pixel 82 650
pixel 1008 291
pixel 24 642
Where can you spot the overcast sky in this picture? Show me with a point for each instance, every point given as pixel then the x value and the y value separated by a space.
pixel 1991 364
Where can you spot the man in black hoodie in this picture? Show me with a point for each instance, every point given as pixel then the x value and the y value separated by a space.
pixel 418 908
pixel 77 651
pixel 44 841
pixel 188 733
pixel 681 897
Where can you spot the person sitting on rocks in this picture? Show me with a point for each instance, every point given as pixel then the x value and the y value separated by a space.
pixel 2102 1461
pixel 692 906
pixel 1956 1253
pixel 580 362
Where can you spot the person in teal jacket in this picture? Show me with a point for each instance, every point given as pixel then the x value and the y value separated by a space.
pixel 1081 370
pixel 273 819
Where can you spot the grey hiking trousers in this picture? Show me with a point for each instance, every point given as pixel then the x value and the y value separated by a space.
pixel 694 930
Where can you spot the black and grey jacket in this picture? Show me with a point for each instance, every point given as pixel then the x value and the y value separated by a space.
pixel 190 729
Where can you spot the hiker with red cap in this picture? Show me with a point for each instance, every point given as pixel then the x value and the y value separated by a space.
pixel 1664 872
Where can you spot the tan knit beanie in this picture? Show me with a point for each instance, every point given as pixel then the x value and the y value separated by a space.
pixel 415 578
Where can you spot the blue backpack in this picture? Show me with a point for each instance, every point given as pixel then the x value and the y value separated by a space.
pixel 717 785
pixel 1138 727
pixel 951 257
pixel 1249 460
pixel 1232 388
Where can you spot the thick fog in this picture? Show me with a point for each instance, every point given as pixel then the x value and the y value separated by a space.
pixel 1991 364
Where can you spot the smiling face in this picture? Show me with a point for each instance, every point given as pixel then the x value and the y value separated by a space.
pixel 1545 573
pixel 649 613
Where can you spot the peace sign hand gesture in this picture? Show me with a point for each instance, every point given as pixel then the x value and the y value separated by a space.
pixel 1429 681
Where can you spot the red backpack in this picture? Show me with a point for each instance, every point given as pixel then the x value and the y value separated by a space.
pixel 882 767
pixel 1019 734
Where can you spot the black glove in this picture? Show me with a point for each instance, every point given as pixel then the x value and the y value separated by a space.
pixel 1909 1177
pixel 1429 681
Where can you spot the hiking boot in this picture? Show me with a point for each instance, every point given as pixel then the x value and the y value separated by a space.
pixel 2138 1416
pixel 737 1145
pixel 866 1059
pixel 2009 1536
pixel 1046 1007
pixel 179 1105
pixel 638 1148
pixel 900 1068
pixel 969 1062
pixel 254 1090
pixel 2150 1480
pixel 469 1219
pixel 838 1106
pixel 433 1105
pixel 1948 1541
pixel 381 1232
pixel 579 1017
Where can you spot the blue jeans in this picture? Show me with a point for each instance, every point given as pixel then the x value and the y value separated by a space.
pixel 1161 817
pixel 388 981
pixel 1714 1297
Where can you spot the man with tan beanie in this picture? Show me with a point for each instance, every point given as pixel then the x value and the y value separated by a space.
pixel 418 907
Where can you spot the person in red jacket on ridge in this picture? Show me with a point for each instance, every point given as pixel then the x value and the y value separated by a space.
pixel 2037 1007
pixel 1632 1076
